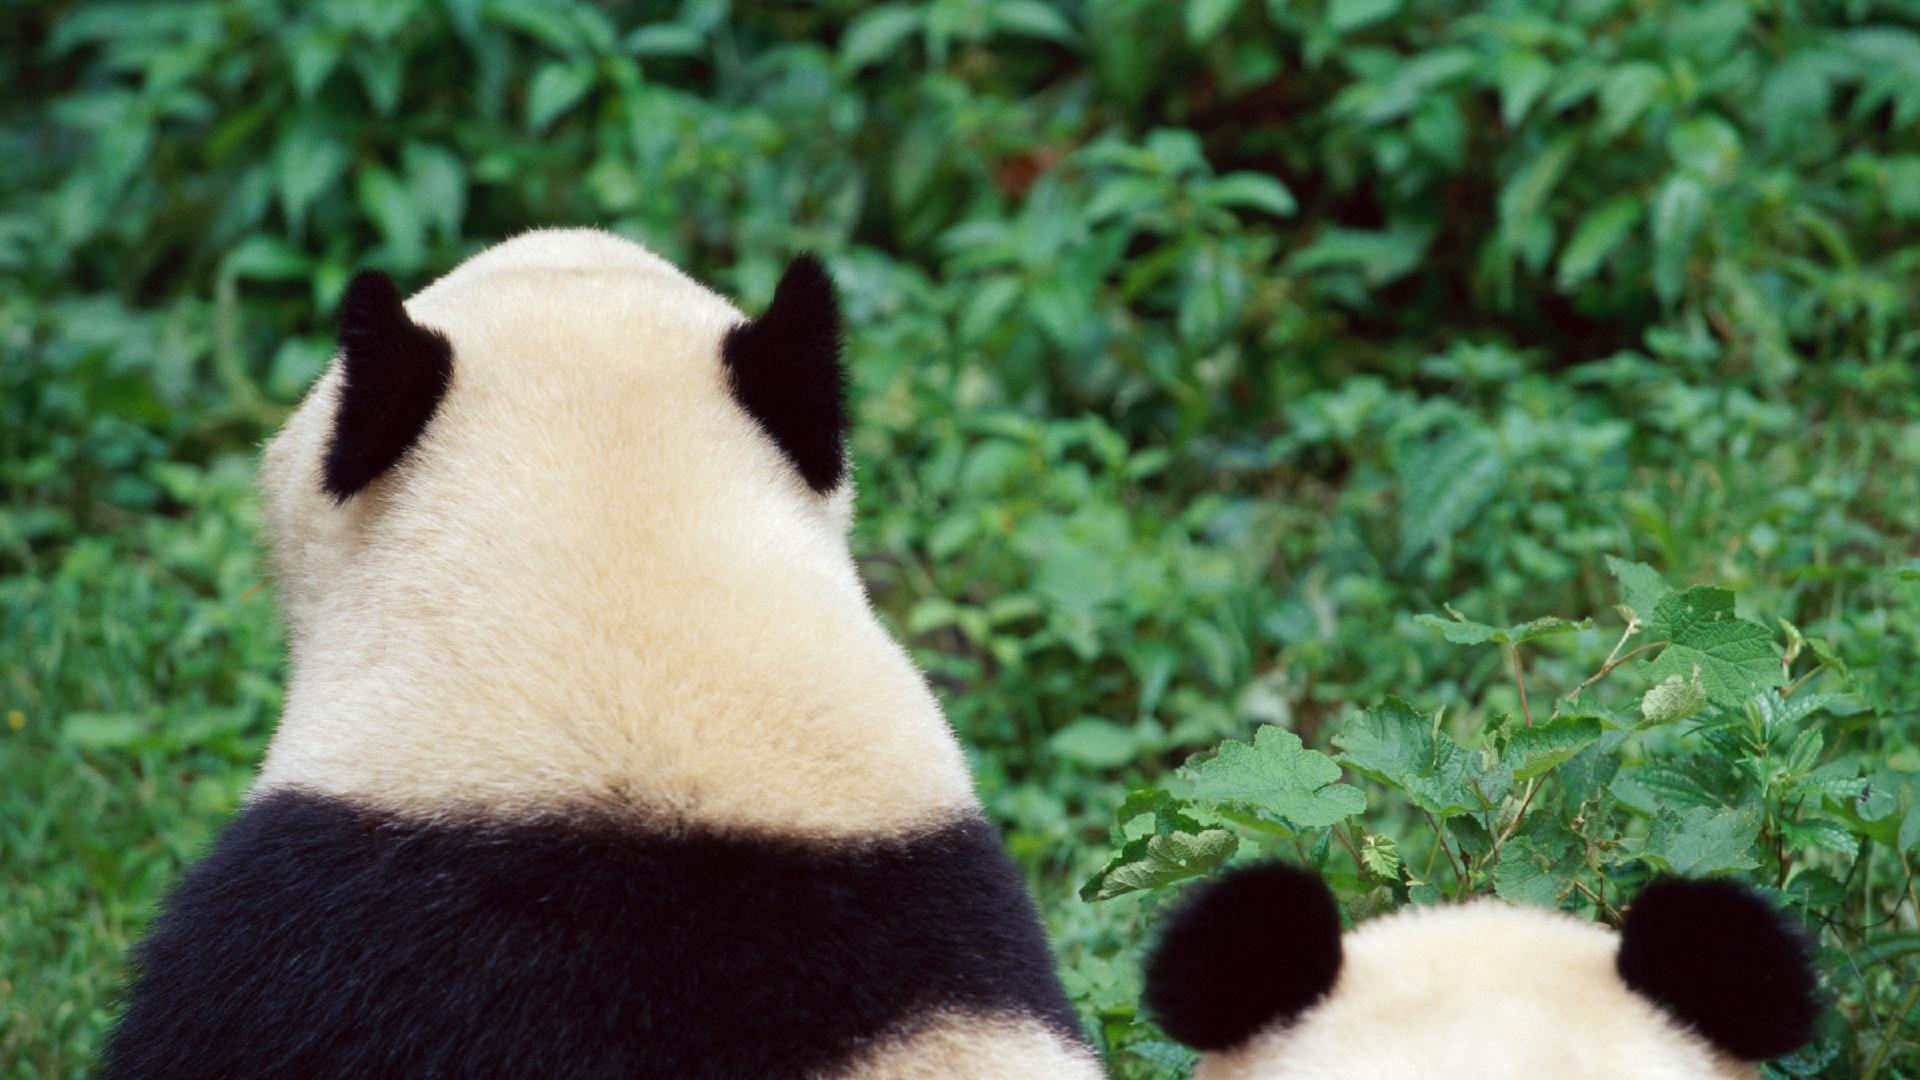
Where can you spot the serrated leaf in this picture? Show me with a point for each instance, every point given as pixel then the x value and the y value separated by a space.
pixel 1277 774
pixel 1734 657
pixel 1464 631
pixel 1160 860
pixel 1823 833
pixel 1534 871
pixel 1396 745
pixel 1641 586
pixel 1673 699
pixel 1380 855
pixel 1532 751
pixel 1701 842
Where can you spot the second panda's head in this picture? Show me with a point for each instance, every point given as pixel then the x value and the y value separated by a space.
pixel 1703 979
pixel 566 526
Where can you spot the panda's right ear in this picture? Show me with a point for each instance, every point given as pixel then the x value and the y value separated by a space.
pixel 1238 954
pixel 393 374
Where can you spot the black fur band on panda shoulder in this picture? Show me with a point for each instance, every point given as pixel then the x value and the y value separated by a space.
pixel 322 939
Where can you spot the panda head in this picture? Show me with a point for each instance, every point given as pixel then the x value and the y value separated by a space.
pixel 1703 979
pixel 566 526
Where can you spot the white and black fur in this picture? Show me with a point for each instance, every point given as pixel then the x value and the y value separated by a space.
pixel 594 759
pixel 1703 980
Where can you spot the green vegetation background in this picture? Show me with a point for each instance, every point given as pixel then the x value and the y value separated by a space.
pixel 1200 350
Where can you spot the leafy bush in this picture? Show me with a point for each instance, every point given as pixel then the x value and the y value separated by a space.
pixel 1205 352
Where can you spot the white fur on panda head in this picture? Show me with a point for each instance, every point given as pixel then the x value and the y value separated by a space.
pixel 567 527
pixel 1703 979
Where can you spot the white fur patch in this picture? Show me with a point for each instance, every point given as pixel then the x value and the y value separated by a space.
pixel 1485 991
pixel 961 1047
pixel 594 577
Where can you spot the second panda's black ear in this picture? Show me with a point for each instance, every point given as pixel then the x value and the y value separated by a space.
pixel 394 373
pixel 1240 953
pixel 1721 959
pixel 785 371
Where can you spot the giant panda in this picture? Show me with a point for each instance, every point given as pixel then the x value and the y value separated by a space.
pixel 594 760
pixel 1702 980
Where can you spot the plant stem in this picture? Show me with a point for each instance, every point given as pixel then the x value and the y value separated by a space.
pixel 1513 656
pixel 1612 662
pixel 1886 1036
pixel 1525 801
pixel 1459 869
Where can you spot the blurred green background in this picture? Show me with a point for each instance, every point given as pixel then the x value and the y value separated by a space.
pixel 1198 348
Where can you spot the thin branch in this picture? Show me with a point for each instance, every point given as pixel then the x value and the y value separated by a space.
pixel 1513 656
pixel 1459 869
pixel 1525 801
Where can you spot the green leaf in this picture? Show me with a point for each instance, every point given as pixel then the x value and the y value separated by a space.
pixel 1252 189
pixel 1521 76
pixel 1160 860
pixel 1032 18
pixel 1380 855
pixel 1679 210
pixel 1535 870
pixel 1444 485
pixel 1278 775
pixel 1206 18
pixel 1101 744
pixel 1641 586
pixel 1464 631
pixel 103 731
pixel 1908 571
pixel 1524 196
pixel 1673 699
pixel 1532 751
pixel 1396 745
pixel 1701 841
pixel 1345 15
pixel 1734 658
pixel 557 86
pixel 307 161
pixel 1597 235
pixel 878 32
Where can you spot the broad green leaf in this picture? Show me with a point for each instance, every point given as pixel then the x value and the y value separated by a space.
pixel 1625 94
pixel 1521 75
pixel 1381 855
pixel 1443 486
pixel 1032 18
pixel 1734 658
pixel 1206 18
pixel 1101 744
pixel 1909 570
pixel 1535 871
pixel 1673 699
pixel 1525 194
pixel 1679 209
pixel 557 86
pixel 1345 15
pixel 1641 586
pixel 878 32
pixel 1277 774
pixel 1532 751
pixel 1702 841
pixel 1396 745
pixel 1597 235
pixel 307 161
pixel 103 731
pixel 1251 189
pixel 1159 860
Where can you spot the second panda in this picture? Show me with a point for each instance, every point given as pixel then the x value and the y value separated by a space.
pixel 594 759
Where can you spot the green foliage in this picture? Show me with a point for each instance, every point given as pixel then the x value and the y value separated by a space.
pixel 1203 351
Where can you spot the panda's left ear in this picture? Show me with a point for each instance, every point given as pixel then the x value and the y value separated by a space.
pixel 1251 949
pixel 1720 958
pixel 785 371
pixel 393 374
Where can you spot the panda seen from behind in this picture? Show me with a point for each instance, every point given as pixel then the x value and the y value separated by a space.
pixel 594 760
pixel 1703 980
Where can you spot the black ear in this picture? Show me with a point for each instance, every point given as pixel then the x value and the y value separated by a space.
pixel 785 371
pixel 1256 946
pixel 396 371
pixel 1718 957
